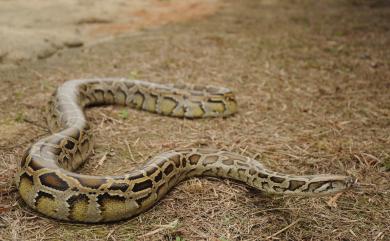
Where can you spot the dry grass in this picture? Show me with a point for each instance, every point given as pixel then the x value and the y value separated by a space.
pixel 312 80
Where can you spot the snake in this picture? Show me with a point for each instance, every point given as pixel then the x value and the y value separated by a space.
pixel 46 176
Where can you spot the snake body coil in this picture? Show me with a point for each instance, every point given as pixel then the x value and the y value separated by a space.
pixel 47 183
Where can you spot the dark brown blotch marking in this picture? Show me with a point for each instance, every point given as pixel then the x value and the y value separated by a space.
pixel 184 162
pixel 330 186
pixel 35 165
pixel 98 96
pixel 75 189
pixel 242 164
pixel 150 170
pixel 252 171
pixel 109 96
pixel 134 176
pixel 158 177
pixel 217 170
pixel 119 90
pixel 52 180
pixel 262 175
pixel 90 99
pixel 160 162
pixel 210 159
pixel 277 179
pixel 168 169
pixel 279 189
pixel 26 176
pixel 142 185
pixel 176 160
pixel 228 162
pixel 194 159
pixel 201 107
pixel 40 195
pixel 142 199
pixel 65 159
pixel 218 102
pixel 120 96
pixel 208 173
pixel 313 186
pixel 69 145
pixel 98 92
pixel 77 198
pixel 119 186
pixel 91 182
pixel 171 99
pixel 138 94
pixel 229 173
pixel 180 109
pixel 102 199
pixel 241 171
pixel 294 185
pixel 264 185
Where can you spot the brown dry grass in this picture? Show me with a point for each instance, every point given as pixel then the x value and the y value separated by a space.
pixel 312 80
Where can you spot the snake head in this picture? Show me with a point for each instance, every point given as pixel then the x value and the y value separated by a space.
pixel 344 183
pixel 327 184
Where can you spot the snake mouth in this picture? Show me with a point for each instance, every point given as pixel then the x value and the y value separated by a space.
pixel 343 183
pixel 351 182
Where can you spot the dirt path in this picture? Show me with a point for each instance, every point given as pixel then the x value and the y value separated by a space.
pixel 312 80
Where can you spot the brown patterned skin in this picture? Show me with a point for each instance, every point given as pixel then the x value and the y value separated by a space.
pixel 47 183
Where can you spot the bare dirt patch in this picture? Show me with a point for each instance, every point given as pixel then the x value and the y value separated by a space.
pixel 39 28
pixel 312 81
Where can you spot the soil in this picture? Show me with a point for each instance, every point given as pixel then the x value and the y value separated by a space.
pixel 38 29
pixel 312 82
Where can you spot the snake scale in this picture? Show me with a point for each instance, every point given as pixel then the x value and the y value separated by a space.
pixel 48 184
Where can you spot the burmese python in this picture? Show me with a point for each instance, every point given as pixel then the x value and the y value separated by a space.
pixel 47 183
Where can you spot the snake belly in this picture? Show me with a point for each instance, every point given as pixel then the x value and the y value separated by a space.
pixel 48 184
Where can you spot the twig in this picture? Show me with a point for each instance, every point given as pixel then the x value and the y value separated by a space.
pixel 380 235
pixel 332 202
pixel 284 229
pixel 101 161
pixel 161 228
pixel 274 209
pixel 129 150
pixel 109 235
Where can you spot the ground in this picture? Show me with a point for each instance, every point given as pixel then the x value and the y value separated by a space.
pixel 312 81
pixel 49 26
